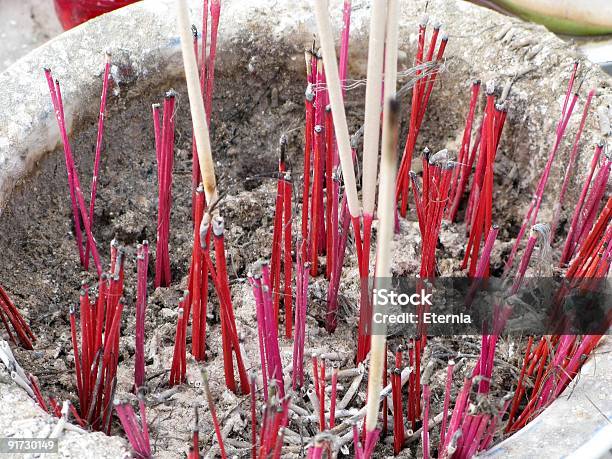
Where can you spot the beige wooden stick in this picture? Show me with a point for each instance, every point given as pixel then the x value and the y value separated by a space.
pixel 196 103
pixel 330 64
pixel 371 125
pixel 386 209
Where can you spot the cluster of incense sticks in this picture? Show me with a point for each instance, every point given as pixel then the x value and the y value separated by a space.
pixel 11 317
pixel 569 168
pixel 534 206
pixel 210 218
pixel 80 213
pixel 271 365
pixel 431 205
pixel 465 157
pixel 592 194
pixel 479 212
pixel 179 356
pixel 268 442
pixel 322 214
pixel 136 431
pixel 421 94
pixel 207 77
pixel 470 423
pixel 53 406
pixel 282 243
pixel 96 356
pixel 229 331
pixel 470 429
pixel 164 154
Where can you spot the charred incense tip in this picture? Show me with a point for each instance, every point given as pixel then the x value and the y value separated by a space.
pixel 397 371
pixel 218 226
pixel 170 94
pixel 451 362
pixel 424 20
pixel 108 53
pixel 490 87
pixel 47 69
pixel 194 31
pixel 426 153
pixel 307 57
pixel 328 108
pixel 283 147
pixel 196 418
pixel 156 106
pixel 318 128
pixel 145 242
pixel 444 36
pixel 71 309
pixel 601 143
pixel 476 82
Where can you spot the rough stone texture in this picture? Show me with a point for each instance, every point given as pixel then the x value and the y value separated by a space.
pixel 145 47
pixel 25 25
pixel 20 417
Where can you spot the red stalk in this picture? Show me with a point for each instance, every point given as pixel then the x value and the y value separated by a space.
pixel 322 395
pixel 198 281
pixel 164 177
pixel 215 13
pixel 177 371
pixel 288 263
pixel 256 284
pixel 334 394
pixel 78 203
pixel 69 167
pixel 300 323
pixel 570 167
pixel 329 193
pixel 10 313
pixel 142 258
pixel 398 415
pixel 229 331
pixel 277 237
pixel 425 432
pixel 317 198
pixel 94 178
pixel 308 147
pixel 213 413
pixel 569 247
pixel 253 383
pixel 462 174
pixel 534 206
